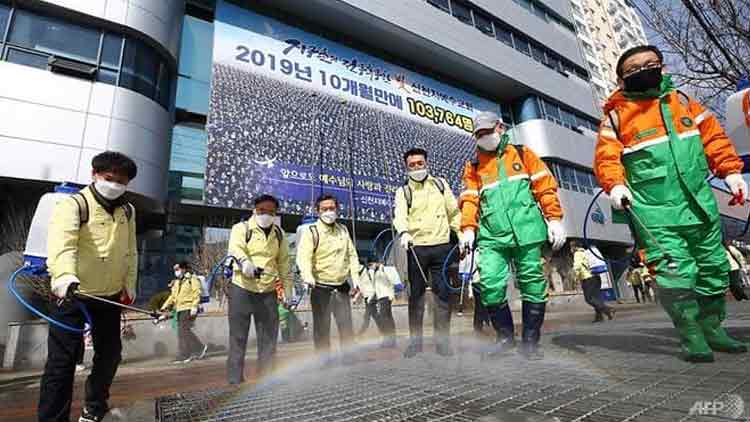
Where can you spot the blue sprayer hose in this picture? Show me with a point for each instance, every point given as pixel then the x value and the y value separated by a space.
pixel 50 320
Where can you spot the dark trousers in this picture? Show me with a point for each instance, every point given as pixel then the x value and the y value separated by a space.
pixel 481 316
pixel 188 343
pixel 387 325
pixel 243 306
pixel 431 260
pixel 592 293
pixel 63 350
pixel 371 313
pixel 325 302
pixel 638 292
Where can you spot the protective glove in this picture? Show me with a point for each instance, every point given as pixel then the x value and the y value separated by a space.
pixel 617 194
pixel 556 234
pixel 735 286
pixel 737 185
pixel 127 296
pixel 467 241
pixel 406 240
pixel 248 269
pixel 64 286
pixel 310 282
pixel 193 312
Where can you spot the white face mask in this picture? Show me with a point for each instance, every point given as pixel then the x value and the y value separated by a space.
pixel 418 175
pixel 489 142
pixel 178 274
pixel 264 220
pixel 109 190
pixel 329 217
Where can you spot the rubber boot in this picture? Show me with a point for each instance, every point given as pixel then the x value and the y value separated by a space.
pixel 683 309
pixel 442 323
pixel 713 311
pixel 598 318
pixel 502 321
pixel 533 318
pixel 416 315
pixel 610 312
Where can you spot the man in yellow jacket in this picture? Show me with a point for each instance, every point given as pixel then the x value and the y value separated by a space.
pixel 326 258
pixel 263 252
pixel 92 248
pixel 185 298
pixel 426 212
pixel 590 282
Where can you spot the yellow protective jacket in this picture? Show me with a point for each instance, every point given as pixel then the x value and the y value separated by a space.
pixel 432 215
pixel 332 260
pixel 102 253
pixel 635 276
pixel 185 295
pixel 581 265
pixel 268 251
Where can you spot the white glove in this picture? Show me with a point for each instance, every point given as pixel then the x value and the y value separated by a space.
pixel 61 285
pixel 737 185
pixel 406 240
pixel 248 269
pixel 617 194
pixel 193 312
pixel 556 234
pixel 310 282
pixel 467 240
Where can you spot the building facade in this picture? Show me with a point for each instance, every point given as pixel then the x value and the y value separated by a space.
pixel 136 76
pixel 606 29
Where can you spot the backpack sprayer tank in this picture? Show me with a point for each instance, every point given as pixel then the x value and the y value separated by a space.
pixel 35 254
pixel 738 120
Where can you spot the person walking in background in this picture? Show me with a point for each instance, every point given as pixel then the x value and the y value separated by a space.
pixel 737 267
pixel 636 282
pixel 184 299
pixel 591 283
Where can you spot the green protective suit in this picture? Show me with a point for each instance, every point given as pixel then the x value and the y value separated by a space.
pixel 672 198
pixel 511 231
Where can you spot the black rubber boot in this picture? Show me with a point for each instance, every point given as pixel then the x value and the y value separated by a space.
pixel 533 318
pixel 502 321
pixel 442 323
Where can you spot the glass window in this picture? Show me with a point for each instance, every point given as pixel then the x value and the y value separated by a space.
pixel 539 11
pixel 461 12
pixel 27 59
pixel 54 36
pixel 197 49
pixel 522 45
pixel 503 34
pixel 551 110
pixel 568 119
pixel 440 4
pixel 483 23
pixel 4 14
pixel 140 68
pixel 111 47
pixel 163 89
pixel 107 76
pixel 526 4
pixel 567 178
pixel 537 53
pixel 584 181
pixel 553 61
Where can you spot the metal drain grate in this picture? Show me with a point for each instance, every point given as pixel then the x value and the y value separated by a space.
pixel 602 385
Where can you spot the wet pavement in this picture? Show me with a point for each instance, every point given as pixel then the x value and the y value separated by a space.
pixel 623 370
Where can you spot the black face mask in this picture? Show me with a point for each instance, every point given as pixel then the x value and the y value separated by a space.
pixel 643 80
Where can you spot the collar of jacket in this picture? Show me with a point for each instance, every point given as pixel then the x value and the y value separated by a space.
pixel 326 227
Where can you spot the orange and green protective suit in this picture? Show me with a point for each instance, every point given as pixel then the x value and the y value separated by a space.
pixel 661 144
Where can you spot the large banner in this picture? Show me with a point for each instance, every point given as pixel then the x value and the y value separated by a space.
pixel 296 115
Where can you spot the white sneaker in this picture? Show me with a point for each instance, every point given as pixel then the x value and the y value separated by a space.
pixel 202 355
pixel 181 361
